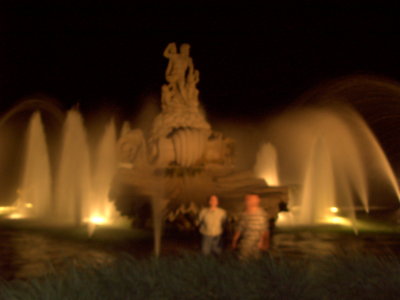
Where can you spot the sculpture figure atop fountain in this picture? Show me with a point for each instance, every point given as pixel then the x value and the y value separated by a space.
pixel 180 137
pixel 181 126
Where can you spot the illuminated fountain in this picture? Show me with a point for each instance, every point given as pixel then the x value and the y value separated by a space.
pixel 73 187
pixel 331 154
pixel 80 192
pixel 76 193
pixel 331 164
pixel 267 164
pixel 35 192
pixel 184 161
pixel 318 189
pixel 173 171
pixel 105 168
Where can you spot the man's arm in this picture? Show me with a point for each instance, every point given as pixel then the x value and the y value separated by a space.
pixel 238 233
pixel 200 218
pixel 264 241
pixel 235 239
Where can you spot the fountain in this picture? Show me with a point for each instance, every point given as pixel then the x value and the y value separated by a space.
pixel 330 153
pixel 184 160
pixel 318 194
pixel 267 164
pixel 172 172
pixel 80 194
pixel 326 153
pixel 73 186
pixel 106 165
pixel 35 192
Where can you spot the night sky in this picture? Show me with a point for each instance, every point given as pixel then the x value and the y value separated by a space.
pixel 110 55
pixel 254 60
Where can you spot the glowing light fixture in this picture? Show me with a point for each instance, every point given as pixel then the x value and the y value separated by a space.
pixel 334 210
pixel 15 216
pixel 284 218
pixel 338 220
pixel 6 209
pixel 97 220
pixel 28 205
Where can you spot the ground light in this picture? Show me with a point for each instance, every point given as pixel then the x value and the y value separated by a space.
pixel 15 215
pixel 7 209
pixel 337 220
pixel 98 220
pixel 287 218
pixel 93 222
pixel 334 209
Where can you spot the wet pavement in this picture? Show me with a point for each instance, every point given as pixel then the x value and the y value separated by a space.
pixel 27 252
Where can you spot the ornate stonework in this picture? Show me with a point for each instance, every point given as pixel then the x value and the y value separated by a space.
pixel 181 135
pixel 183 156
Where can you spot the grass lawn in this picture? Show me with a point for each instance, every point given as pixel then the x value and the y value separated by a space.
pixel 350 276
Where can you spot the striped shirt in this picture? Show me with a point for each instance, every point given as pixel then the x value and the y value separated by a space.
pixel 253 225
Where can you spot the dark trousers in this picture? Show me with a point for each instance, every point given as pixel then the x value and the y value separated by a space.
pixel 211 244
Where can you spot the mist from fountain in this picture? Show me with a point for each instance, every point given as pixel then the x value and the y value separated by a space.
pixel 80 193
pixel 105 167
pixel 316 202
pixel 73 187
pixel 329 152
pixel 266 166
pixel 36 186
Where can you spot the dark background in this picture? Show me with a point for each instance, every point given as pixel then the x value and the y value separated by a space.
pixel 109 54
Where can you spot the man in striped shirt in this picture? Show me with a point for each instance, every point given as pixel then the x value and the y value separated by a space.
pixel 252 229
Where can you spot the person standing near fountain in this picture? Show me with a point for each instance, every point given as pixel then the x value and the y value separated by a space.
pixel 211 221
pixel 252 229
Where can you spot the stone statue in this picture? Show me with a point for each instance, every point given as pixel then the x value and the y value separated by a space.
pixel 167 97
pixel 192 95
pixel 132 149
pixel 179 65
pixel 179 96
pixel 182 78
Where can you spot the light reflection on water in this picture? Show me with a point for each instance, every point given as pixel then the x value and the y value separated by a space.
pixel 317 244
pixel 25 254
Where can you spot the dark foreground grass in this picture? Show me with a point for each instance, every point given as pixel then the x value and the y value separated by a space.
pixel 195 277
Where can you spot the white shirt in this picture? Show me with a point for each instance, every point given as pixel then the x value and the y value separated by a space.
pixel 211 221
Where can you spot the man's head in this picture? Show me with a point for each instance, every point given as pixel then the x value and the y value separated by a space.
pixel 251 201
pixel 185 49
pixel 213 201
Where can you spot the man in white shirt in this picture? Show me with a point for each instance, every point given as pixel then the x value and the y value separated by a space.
pixel 211 221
